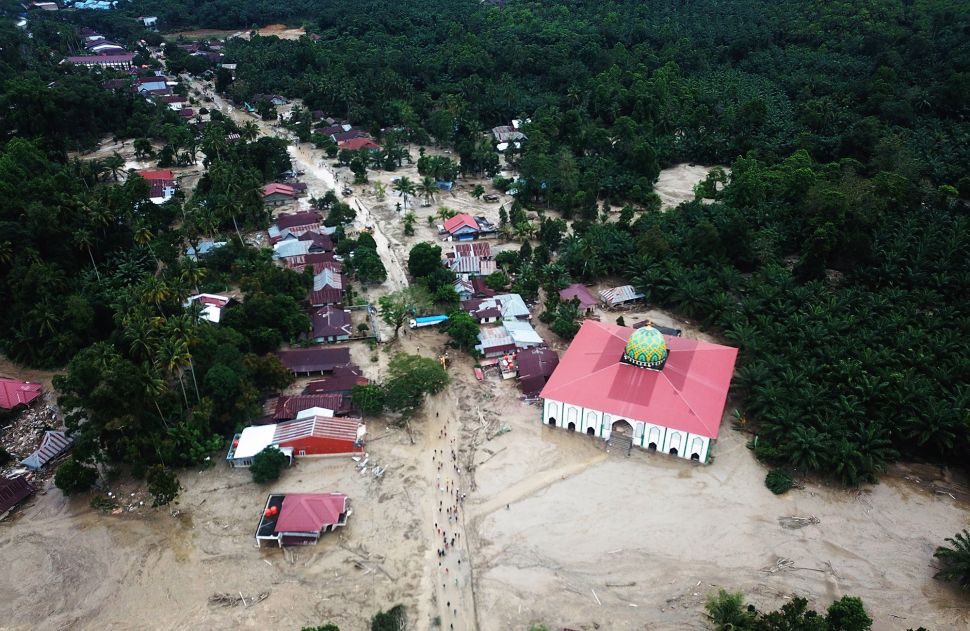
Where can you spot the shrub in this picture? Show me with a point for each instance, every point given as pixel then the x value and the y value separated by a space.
pixel 73 477
pixel 779 481
pixel 163 484
pixel 267 465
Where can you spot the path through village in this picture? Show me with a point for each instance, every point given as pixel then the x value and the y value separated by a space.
pixel 448 594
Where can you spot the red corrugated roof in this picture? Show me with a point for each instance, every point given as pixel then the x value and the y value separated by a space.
pixel 335 384
pixel 475 248
pixel 354 144
pixel 310 512
pixel 276 187
pixel 687 395
pixel 156 174
pixel 577 290
pixel 287 407
pixel 13 491
pixel 314 359
pixel 460 220
pixel 289 221
pixel 334 427
pixel 14 392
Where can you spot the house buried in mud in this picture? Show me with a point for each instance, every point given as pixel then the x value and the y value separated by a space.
pixel 640 387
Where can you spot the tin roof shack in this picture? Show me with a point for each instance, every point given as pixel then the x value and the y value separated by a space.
pixel 52 446
pixel 12 492
pixel 298 519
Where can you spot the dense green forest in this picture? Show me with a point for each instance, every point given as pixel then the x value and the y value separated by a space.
pixel 835 254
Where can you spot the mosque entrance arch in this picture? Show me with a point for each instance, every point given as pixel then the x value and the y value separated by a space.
pixel 622 427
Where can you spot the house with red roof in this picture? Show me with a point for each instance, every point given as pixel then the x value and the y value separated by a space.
pixel 580 293
pixel 641 388
pixel 315 432
pixel 461 227
pixel 314 360
pixel 212 306
pixel 301 518
pixel 161 183
pixel 342 384
pixel 354 144
pixel 14 393
pixel 275 194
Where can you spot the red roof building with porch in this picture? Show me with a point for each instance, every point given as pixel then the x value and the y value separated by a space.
pixel 14 392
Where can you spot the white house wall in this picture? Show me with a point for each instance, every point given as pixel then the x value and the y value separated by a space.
pixel 644 433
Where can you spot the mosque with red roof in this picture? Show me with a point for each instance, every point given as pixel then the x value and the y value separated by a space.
pixel 660 392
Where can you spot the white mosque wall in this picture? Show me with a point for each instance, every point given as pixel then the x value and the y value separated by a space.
pixel 645 435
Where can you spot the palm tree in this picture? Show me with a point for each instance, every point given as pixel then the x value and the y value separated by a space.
pixel 404 187
pixel 249 132
pixel 428 189
pixel 155 290
pixel 84 239
pixel 955 559
pixel 193 274
pixel 184 328
pixel 143 148
pixel 170 358
pixel 155 387
pixel 140 333
pixel 143 236
pixel 114 163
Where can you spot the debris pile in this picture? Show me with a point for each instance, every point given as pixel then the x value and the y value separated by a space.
pixel 231 600
pixel 24 432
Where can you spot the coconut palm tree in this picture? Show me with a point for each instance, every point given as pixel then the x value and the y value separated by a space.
pixel 249 132
pixel 114 163
pixel 84 240
pixel 184 328
pixel 404 187
pixel 170 357
pixel 143 236
pixel 428 189
pixel 955 559
pixel 155 290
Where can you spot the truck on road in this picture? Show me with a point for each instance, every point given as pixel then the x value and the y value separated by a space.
pixel 423 321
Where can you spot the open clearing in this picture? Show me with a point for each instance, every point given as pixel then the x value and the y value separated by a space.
pixel 279 30
pixel 676 184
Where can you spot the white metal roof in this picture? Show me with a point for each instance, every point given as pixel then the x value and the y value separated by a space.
pixel 254 439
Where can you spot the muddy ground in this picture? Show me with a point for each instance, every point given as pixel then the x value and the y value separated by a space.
pixel 553 529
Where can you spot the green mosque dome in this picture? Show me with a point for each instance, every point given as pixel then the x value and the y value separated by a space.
pixel 646 348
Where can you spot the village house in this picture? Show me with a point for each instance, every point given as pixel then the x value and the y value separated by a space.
pixel 639 387
pixel 666 330
pixel 498 307
pixel 295 224
pixel 15 393
pixel 275 194
pixel 301 518
pixel 341 383
pixel 361 142
pixel 534 367
pixel 618 296
pixel 204 247
pixel 212 306
pixel 461 227
pixel 578 291
pixel 52 446
pixel 331 324
pixel 319 261
pixel 13 491
pixel 471 258
pixel 289 248
pixel 312 433
pixel 147 84
pixel 463 287
pixel 328 288
pixel 161 183
pixel 290 406
pixel 121 61
pixel 307 361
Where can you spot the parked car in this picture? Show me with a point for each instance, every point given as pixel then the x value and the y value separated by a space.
pixel 490 198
